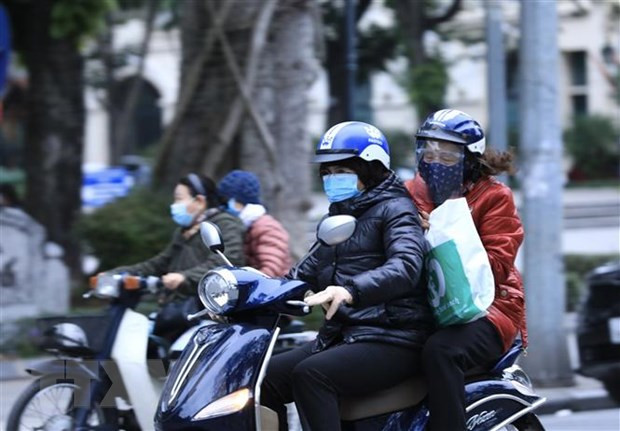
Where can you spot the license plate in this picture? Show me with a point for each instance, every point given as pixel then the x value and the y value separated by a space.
pixel 614 330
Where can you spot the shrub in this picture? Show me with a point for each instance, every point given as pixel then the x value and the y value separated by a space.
pixel 592 141
pixel 128 230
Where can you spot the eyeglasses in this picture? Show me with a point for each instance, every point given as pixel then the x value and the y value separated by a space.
pixel 430 152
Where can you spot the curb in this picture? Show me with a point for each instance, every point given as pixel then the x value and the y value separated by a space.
pixel 589 400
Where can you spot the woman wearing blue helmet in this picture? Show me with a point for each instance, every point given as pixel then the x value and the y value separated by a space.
pixel 453 161
pixel 377 315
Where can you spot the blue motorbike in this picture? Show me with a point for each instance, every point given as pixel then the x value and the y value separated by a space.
pixel 216 383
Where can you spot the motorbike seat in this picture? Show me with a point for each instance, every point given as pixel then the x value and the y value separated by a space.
pixel 405 394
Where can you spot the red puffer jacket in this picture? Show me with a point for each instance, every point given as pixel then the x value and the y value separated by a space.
pixel 500 229
pixel 266 247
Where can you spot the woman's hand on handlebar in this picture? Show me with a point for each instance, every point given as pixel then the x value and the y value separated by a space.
pixel 172 280
pixel 330 299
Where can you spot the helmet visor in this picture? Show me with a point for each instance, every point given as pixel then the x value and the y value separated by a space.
pixel 441 166
pixel 326 156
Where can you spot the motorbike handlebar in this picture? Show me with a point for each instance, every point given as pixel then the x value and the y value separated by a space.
pixel 305 308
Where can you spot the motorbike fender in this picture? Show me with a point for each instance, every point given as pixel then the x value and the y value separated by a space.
pixel 82 373
pixel 493 403
pixel 219 360
pixel 65 369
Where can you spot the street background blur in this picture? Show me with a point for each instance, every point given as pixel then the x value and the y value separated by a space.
pixel 107 103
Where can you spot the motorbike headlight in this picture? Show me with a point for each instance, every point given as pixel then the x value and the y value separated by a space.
pixel 106 285
pixel 218 290
pixel 231 403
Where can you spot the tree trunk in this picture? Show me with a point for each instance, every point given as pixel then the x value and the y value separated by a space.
pixel 205 107
pixel 55 130
pixel 288 68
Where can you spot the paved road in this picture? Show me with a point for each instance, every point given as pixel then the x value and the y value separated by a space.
pixel 9 391
pixel 599 420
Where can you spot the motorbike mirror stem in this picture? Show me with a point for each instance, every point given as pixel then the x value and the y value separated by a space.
pixel 306 256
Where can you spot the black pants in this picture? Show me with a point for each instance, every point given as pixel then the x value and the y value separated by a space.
pixel 446 356
pixel 315 381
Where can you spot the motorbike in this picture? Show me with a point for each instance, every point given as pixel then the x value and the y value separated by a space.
pixel 109 369
pixel 216 383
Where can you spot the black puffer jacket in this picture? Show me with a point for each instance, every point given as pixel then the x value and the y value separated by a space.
pixel 381 265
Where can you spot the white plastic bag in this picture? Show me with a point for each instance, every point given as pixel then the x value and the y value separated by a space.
pixel 461 284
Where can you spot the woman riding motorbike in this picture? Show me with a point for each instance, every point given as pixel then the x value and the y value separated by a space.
pixel 185 259
pixel 377 314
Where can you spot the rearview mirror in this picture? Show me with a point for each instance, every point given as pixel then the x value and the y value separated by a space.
pixel 331 231
pixel 211 236
pixel 336 229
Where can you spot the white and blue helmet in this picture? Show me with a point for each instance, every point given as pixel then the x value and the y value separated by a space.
pixel 453 126
pixel 353 139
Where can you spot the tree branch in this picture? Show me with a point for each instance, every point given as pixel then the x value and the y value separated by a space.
pixel 266 137
pixel 134 93
pixel 231 125
pixel 432 22
pixel 188 91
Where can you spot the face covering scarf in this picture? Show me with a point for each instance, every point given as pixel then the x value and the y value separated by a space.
pixel 180 215
pixel 443 181
pixel 339 187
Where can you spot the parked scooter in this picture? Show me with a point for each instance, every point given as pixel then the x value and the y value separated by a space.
pixel 216 383
pixel 109 379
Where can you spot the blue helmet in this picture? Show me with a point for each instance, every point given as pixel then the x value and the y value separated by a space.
pixel 454 126
pixel 353 139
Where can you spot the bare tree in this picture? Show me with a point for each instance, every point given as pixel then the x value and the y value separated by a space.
pixel 246 69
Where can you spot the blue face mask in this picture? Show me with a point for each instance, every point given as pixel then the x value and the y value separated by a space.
pixel 340 187
pixel 180 215
pixel 231 208
pixel 443 181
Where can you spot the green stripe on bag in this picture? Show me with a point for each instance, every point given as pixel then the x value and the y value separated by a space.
pixel 449 292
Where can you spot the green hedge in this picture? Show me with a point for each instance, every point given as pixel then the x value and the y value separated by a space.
pixel 128 230
pixel 593 143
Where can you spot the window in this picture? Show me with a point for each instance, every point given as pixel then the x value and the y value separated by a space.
pixel 577 66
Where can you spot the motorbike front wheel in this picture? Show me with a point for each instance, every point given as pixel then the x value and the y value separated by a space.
pixel 47 404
